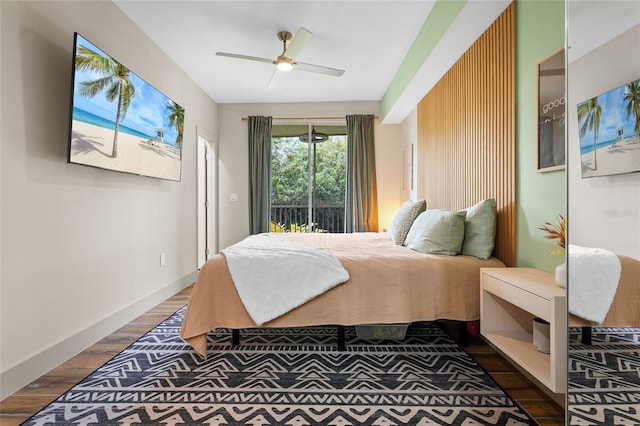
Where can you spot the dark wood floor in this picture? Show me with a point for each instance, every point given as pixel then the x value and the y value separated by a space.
pixel 18 407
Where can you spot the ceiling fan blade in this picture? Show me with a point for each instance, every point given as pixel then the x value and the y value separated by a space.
pixel 301 66
pixel 275 78
pixel 251 58
pixel 297 43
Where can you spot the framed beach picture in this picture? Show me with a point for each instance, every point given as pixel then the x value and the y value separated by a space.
pixel 119 121
pixel 609 129
pixel 551 112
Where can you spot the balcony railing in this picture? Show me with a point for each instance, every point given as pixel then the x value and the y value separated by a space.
pixel 295 218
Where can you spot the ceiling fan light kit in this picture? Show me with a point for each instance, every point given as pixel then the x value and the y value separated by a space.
pixel 291 47
pixel 284 64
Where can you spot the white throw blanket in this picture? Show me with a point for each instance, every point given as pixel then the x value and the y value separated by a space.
pixel 273 275
pixel 594 274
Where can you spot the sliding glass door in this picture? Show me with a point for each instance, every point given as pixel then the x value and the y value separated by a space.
pixel 308 181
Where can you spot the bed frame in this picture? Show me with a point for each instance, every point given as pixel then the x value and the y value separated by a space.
pixel 341 342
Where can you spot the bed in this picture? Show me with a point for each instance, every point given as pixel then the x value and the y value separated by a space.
pixel 388 283
pixel 625 308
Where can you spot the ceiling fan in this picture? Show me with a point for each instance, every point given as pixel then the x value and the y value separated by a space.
pixel 291 47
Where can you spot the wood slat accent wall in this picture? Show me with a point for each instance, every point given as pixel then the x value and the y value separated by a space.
pixel 466 132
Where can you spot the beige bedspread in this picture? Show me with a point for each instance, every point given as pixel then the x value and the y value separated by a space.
pixel 625 308
pixel 388 284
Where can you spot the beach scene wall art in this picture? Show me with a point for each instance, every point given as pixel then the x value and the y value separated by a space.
pixel 120 122
pixel 609 126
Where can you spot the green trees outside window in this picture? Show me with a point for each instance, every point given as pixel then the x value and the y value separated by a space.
pixel 308 185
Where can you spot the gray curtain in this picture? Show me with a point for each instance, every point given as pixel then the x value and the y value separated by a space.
pixel 361 210
pixel 259 173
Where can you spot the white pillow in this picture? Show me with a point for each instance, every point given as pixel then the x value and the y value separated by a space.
pixel 403 219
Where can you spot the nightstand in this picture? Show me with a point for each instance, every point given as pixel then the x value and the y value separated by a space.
pixel 510 298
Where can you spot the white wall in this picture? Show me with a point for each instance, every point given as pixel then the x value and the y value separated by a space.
pixel 233 152
pixel 603 211
pixel 80 246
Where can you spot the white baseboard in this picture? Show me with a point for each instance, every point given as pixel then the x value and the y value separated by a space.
pixel 19 376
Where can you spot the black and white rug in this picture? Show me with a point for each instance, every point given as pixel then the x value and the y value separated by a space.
pixel 287 377
pixel 604 377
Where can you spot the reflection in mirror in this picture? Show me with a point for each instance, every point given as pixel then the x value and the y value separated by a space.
pixel 604 213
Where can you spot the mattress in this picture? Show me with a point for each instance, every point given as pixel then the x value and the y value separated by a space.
pixel 388 283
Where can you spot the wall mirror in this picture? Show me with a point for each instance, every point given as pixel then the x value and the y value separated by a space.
pixel 604 356
pixel 551 112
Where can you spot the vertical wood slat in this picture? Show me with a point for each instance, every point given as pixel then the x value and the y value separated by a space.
pixel 466 132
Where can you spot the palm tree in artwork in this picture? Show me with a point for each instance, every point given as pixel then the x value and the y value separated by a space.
pixel 176 119
pixel 589 113
pixel 632 107
pixel 115 80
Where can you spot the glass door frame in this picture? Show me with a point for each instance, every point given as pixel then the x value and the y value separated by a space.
pixel 311 164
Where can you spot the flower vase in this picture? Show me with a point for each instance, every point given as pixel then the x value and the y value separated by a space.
pixel 561 275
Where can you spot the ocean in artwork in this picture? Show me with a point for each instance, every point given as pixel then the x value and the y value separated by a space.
pixel 87 117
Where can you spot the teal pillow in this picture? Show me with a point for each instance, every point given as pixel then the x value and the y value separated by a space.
pixel 437 231
pixel 480 229
pixel 403 219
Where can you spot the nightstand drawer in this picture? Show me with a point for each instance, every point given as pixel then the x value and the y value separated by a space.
pixel 527 301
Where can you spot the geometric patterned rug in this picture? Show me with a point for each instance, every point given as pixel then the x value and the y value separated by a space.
pixel 604 377
pixel 287 377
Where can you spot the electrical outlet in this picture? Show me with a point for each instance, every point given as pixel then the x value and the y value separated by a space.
pixel 163 259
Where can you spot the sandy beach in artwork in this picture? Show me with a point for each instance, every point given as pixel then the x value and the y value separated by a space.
pixel 624 157
pixel 92 145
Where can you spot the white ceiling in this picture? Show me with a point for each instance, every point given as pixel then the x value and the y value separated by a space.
pixel 590 24
pixel 368 39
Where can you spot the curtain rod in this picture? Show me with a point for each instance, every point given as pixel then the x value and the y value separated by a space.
pixel 308 118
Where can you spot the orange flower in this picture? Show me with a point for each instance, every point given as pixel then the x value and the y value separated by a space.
pixel 558 232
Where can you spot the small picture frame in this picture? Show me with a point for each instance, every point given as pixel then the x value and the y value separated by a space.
pixel 551 112
pixel 407 168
